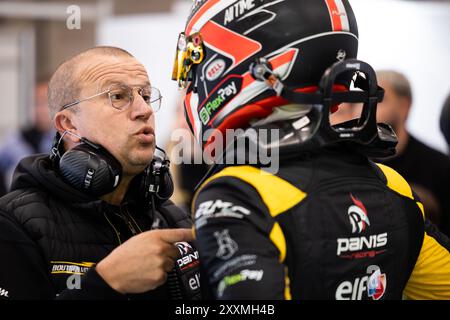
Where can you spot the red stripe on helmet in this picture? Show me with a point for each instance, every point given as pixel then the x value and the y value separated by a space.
pixel 282 59
pixel 247 79
pixel 276 62
pixel 187 102
pixel 240 118
pixel 229 42
pixel 335 15
pixel 198 15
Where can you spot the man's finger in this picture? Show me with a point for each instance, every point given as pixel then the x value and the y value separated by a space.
pixel 176 235
pixel 173 252
pixel 168 265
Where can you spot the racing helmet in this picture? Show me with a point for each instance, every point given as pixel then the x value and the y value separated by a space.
pixel 224 39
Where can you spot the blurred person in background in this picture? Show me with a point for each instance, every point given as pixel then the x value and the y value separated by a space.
pixel 36 138
pixel 80 221
pixel 420 164
pixel 444 122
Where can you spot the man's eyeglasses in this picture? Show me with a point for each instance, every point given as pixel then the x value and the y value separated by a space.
pixel 121 97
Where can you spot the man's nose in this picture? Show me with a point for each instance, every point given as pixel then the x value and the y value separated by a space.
pixel 140 109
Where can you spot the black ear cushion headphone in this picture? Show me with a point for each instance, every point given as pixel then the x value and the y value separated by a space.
pixel 157 178
pixel 90 168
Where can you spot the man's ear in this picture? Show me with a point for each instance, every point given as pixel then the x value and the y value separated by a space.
pixel 65 121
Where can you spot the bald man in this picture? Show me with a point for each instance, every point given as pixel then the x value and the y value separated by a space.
pixel 78 224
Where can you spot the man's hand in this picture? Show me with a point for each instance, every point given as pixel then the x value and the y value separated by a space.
pixel 141 263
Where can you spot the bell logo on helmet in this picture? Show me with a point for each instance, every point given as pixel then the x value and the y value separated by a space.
pixel 215 69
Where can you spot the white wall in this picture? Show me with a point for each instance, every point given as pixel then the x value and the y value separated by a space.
pixel 411 37
pixel 16 76
pixel 9 75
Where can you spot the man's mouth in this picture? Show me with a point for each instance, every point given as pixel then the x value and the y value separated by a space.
pixel 146 135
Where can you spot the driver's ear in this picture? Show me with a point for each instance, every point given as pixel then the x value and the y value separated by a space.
pixel 64 121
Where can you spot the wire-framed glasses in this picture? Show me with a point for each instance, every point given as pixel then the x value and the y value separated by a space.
pixel 122 96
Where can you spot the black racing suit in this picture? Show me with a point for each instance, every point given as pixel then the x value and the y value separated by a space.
pixel 329 225
pixel 51 237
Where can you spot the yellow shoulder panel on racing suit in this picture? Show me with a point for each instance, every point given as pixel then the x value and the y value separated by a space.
pixel 396 182
pixel 430 278
pixel 277 194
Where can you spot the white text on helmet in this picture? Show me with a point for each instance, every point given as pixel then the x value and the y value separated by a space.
pixel 237 10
